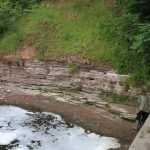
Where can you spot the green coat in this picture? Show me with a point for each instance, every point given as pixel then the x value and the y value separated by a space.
pixel 143 104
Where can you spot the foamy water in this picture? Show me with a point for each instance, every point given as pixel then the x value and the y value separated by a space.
pixel 24 130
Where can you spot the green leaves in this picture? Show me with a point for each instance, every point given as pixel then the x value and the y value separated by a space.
pixel 8 15
pixel 24 4
pixel 11 10
pixel 134 34
pixel 141 42
pixel 140 7
pixel 141 45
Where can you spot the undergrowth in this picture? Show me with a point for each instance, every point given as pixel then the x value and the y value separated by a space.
pixel 72 67
pixel 70 28
pixel 112 97
pixel 109 34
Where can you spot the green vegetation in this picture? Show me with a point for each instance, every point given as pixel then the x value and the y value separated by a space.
pixel 11 11
pixel 115 112
pixel 117 34
pixel 134 35
pixel 76 28
pixel 116 98
pixel 9 43
pixel 72 67
pixel 77 87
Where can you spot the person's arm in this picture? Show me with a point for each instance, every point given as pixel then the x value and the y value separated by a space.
pixel 138 100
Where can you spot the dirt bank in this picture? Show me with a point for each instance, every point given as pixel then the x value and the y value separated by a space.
pixel 94 119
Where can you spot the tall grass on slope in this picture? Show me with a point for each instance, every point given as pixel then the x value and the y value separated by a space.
pixel 70 28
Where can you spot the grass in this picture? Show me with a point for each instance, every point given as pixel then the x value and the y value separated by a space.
pixel 115 112
pixel 9 43
pixel 137 80
pixel 117 98
pixel 72 67
pixel 70 28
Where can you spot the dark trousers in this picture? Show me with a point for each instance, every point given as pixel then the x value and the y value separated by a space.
pixel 142 116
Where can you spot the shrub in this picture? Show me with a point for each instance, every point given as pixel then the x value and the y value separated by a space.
pixel 11 10
pixel 8 16
pixel 72 67
pixel 116 98
pixel 134 35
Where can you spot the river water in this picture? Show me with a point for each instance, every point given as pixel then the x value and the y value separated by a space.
pixel 25 130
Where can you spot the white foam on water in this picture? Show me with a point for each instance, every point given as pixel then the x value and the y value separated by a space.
pixel 6 138
pixel 19 130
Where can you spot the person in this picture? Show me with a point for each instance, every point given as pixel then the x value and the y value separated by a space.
pixel 142 110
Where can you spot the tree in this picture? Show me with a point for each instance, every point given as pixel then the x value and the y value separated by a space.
pixel 8 15
pixel 11 10
pixel 140 7
pixel 134 33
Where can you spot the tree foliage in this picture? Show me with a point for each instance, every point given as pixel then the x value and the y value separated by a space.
pixel 134 34
pixel 24 4
pixel 139 7
pixel 11 10
pixel 8 15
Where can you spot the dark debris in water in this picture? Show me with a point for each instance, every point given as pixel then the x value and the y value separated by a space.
pixel 13 144
pixel 34 144
pixel 44 122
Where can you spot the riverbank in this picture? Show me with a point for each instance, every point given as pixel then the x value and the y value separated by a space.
pixel 91 118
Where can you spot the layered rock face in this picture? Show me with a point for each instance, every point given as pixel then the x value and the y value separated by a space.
pixel 56 74
pixel 58 82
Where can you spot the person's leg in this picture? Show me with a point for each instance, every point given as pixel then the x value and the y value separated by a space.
pixel 144 116
pixel 138 121
pixel 138 117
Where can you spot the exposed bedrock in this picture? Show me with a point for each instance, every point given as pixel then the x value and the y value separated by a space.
pixel 42 73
